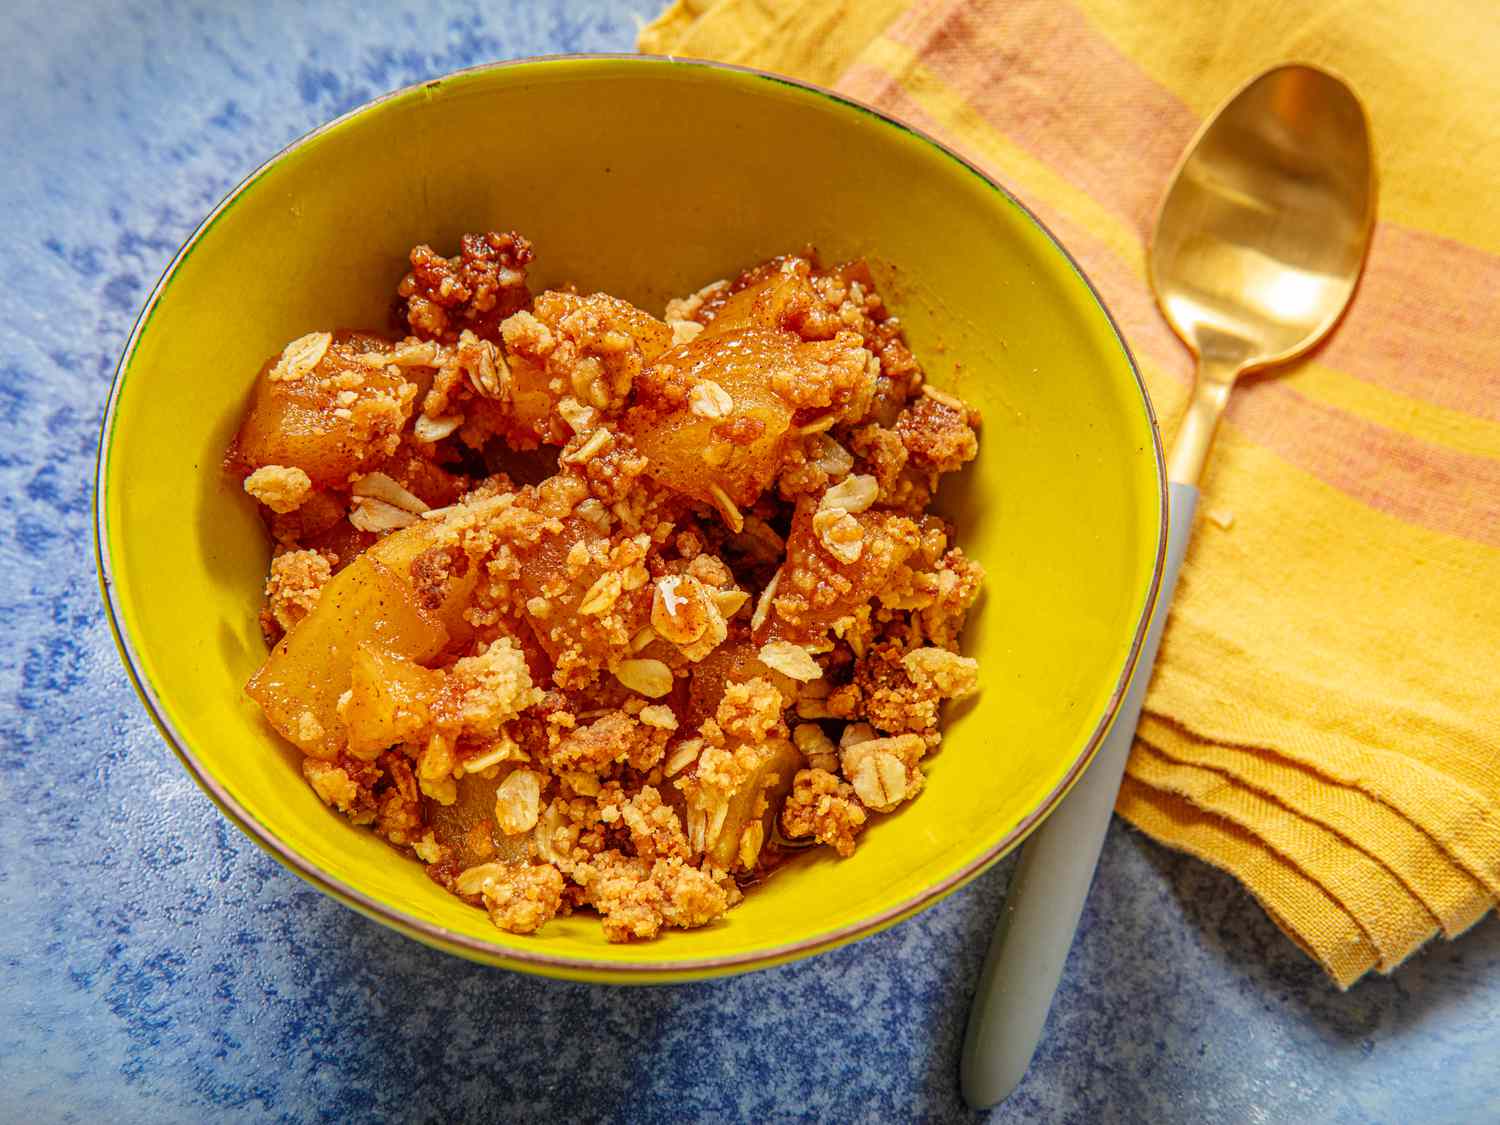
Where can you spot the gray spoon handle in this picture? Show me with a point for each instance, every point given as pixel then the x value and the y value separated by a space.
pixel 1051 881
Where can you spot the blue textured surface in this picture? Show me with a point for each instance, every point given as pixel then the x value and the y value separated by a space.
pixel 156 966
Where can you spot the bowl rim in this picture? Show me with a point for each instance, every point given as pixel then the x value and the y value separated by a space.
pixel 549 963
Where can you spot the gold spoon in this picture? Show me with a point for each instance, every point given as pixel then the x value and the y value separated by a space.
pixel 1256 251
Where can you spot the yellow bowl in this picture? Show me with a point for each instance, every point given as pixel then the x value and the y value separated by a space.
pixel 647 178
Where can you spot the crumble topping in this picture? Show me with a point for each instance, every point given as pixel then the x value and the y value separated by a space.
pixel 713 615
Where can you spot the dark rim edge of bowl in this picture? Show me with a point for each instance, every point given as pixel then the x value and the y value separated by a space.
pixel 488 951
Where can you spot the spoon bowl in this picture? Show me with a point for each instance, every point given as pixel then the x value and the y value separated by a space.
pixel 1261 237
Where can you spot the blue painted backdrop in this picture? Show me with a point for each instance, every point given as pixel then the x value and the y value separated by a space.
pixel 155 966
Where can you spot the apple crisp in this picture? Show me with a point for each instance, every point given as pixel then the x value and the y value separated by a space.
pixel 590 609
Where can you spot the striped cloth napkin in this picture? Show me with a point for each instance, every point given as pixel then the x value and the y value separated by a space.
pixel 1324 722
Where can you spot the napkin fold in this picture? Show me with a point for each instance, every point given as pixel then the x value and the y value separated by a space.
pixel 1324 722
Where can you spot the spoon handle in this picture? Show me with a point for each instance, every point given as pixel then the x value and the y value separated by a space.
pixel 1051 881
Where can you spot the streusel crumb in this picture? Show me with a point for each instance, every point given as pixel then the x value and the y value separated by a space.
pixel 494 687
pixel 281 488
pixel 825 808
pixel 523 899
pixel 295 581
pixel 479 287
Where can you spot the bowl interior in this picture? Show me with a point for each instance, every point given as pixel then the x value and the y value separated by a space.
pixel 647 179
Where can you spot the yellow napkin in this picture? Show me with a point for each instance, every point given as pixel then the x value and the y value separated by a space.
pixel 1323 720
